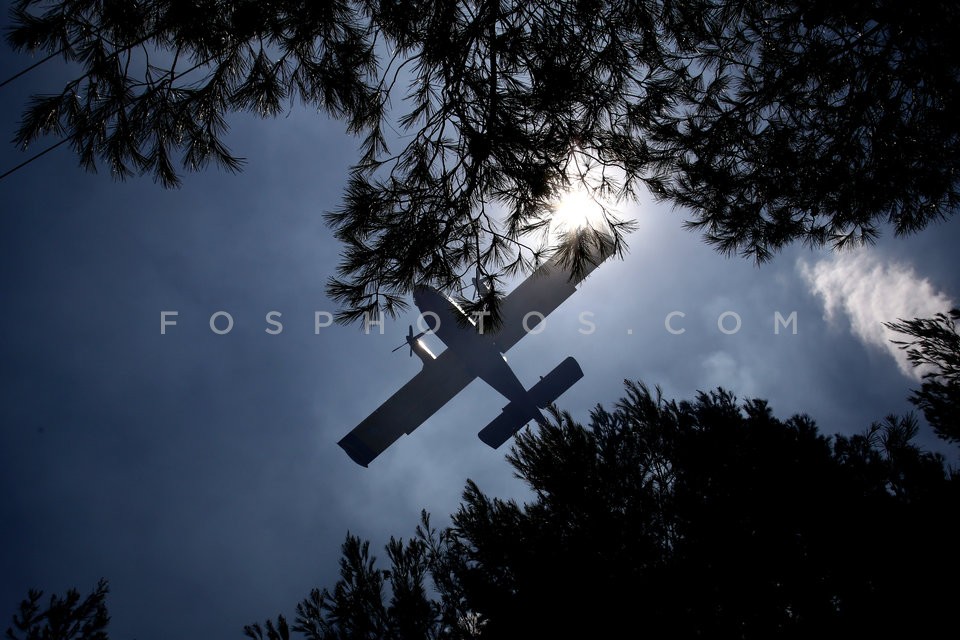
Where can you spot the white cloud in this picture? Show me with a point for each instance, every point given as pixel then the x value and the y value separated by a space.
pixel 871 291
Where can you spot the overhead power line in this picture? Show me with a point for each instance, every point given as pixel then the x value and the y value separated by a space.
pixel 30 68
pixel 34 157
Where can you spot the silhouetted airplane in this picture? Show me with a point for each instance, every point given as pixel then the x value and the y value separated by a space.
pixel 472 354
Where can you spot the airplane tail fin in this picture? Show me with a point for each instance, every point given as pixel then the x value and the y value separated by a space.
pixel 515 415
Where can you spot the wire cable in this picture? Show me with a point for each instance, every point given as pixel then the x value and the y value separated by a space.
pixel 29 69
pixel 35 157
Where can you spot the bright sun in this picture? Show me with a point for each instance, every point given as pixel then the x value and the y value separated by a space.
pixel 574 210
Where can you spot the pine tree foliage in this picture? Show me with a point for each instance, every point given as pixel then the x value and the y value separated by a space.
pixel 703 518
pixel 936 347
pixel 67 617
pixel 766 122
pixel 413 599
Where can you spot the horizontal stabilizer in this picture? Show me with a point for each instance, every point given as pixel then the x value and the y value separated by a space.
pixel 552 385
pixel 514 416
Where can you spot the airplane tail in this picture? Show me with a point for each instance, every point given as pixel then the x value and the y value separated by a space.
pixel 515 415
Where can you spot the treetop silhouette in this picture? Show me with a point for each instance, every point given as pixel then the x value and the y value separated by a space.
pixel 703 518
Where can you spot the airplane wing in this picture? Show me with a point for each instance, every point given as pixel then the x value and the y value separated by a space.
pixel 425 393
pixel 537 296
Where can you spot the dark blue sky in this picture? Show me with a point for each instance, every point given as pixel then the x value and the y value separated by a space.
pixel 200 474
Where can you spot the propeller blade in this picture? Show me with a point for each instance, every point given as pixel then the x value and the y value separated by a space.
pixel 476 283
pixel 481 284
pixel 410 340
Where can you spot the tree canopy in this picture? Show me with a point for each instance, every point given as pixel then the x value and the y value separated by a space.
pixel 709 518
pixel 766 122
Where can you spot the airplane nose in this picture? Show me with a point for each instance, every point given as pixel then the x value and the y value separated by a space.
pixel 428 300
pixel 419 292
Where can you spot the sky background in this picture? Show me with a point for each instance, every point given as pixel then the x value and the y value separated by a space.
pixel 199 473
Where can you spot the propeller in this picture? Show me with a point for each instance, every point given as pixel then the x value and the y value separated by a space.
pixel 411 340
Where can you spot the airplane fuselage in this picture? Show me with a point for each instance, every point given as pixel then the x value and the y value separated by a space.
pixel 476 351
